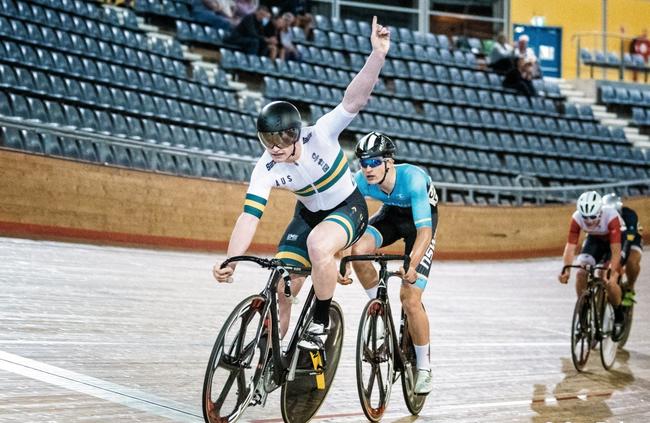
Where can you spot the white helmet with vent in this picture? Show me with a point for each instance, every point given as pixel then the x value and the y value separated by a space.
pixel 590 203
pixel 613 200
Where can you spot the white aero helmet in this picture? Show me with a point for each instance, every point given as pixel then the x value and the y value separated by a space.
pixel 614 201
pixel 589 204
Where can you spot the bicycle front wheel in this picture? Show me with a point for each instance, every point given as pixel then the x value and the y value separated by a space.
pixel 237 361
pixel 608 347
pixel 414 402
pixel 581 331
pixel 375 359
pixel 302 397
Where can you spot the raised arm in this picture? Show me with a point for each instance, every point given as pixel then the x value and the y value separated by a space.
pixel 358 92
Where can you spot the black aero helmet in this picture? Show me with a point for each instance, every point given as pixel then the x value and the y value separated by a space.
pixel 375 144
pixel 278 124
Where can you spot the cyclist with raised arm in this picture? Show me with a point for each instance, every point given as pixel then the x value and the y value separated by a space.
pixel 409 212
pixel 330 213
pixel 632 244
pixel 603 226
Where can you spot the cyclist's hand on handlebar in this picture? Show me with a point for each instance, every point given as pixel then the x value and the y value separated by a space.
pixel 564 277
pixel 409 276
pixel 344 279
pixel 222 274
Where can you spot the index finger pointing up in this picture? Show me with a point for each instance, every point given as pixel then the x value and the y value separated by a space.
pixel 374 23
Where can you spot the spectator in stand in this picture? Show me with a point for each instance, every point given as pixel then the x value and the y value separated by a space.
pixel 501 58
pixel 299 8
pixel 520 77
pixel 243 8
pixel 288 50
pixel 272 32
pixel 213 12
pixel 527 53
pixel 249 35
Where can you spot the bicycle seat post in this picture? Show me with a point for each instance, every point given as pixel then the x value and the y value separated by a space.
pixel 382 290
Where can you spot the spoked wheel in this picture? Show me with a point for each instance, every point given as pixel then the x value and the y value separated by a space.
pixel 581 332
pixel 375 360
pixel 237 362
pixel 628 313
pixel 414 402
pixel 302 397
pixel 608 347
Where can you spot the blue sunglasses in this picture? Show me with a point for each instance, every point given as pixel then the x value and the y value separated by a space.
pixel 370 162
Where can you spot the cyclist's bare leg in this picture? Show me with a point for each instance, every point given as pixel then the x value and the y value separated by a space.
pixel 284 305
pixel 364 269
pixel 411 297
pixel 581 281
pixel 323 242
pixel 614 294
pixel 633 267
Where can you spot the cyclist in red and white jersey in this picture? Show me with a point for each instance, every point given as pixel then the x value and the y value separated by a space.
pixel 603 226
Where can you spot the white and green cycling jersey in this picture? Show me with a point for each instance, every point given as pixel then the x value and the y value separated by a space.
pixel 320 178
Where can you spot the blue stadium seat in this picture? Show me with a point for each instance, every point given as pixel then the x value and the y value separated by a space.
pixel 12 138
pixel 105 153
pixel 32 141
pixel 86 150
pixel 18 106
pixel 57 87
pixel 37 110
pixel 60 146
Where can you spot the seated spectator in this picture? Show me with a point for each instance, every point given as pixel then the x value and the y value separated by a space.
pixel 501 58
pixel 243 8
pixel 520 77
pixel 272 32
pixel 299 8
pixel 249 35
pixel 522 50
pixel 213 12
pixel 288 50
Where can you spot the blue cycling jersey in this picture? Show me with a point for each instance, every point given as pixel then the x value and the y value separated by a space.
pixel 413 188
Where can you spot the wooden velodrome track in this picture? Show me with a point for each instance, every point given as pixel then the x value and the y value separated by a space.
pixel 105 334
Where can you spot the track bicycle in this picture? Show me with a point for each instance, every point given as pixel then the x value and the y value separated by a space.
pixel 247 361
pixel 382 356
pixel 593 321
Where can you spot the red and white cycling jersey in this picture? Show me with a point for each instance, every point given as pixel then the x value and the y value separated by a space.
pixel 609 227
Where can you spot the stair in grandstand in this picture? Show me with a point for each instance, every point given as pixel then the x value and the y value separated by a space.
pixel 585 92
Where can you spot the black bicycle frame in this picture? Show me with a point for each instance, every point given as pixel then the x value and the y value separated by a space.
pixel 280 271
pixel 595 285
pixel 382 293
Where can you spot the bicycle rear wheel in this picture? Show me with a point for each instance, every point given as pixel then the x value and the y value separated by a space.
pixel 375 360
pixel 302 397
pixel 629 312
pixel 414 402
pixel 237 362
pixel 608 347
pixel 581 331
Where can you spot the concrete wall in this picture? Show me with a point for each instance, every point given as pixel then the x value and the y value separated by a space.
pixel 62 199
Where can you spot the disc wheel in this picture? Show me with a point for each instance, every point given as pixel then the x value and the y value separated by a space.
pixel 301 398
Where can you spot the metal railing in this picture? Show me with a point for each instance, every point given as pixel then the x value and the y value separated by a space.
pixel 520 195
pixel 599 36
pixel 538 195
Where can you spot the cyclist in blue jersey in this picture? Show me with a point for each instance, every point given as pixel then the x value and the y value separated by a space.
pixel 330 214
pixel 409 212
